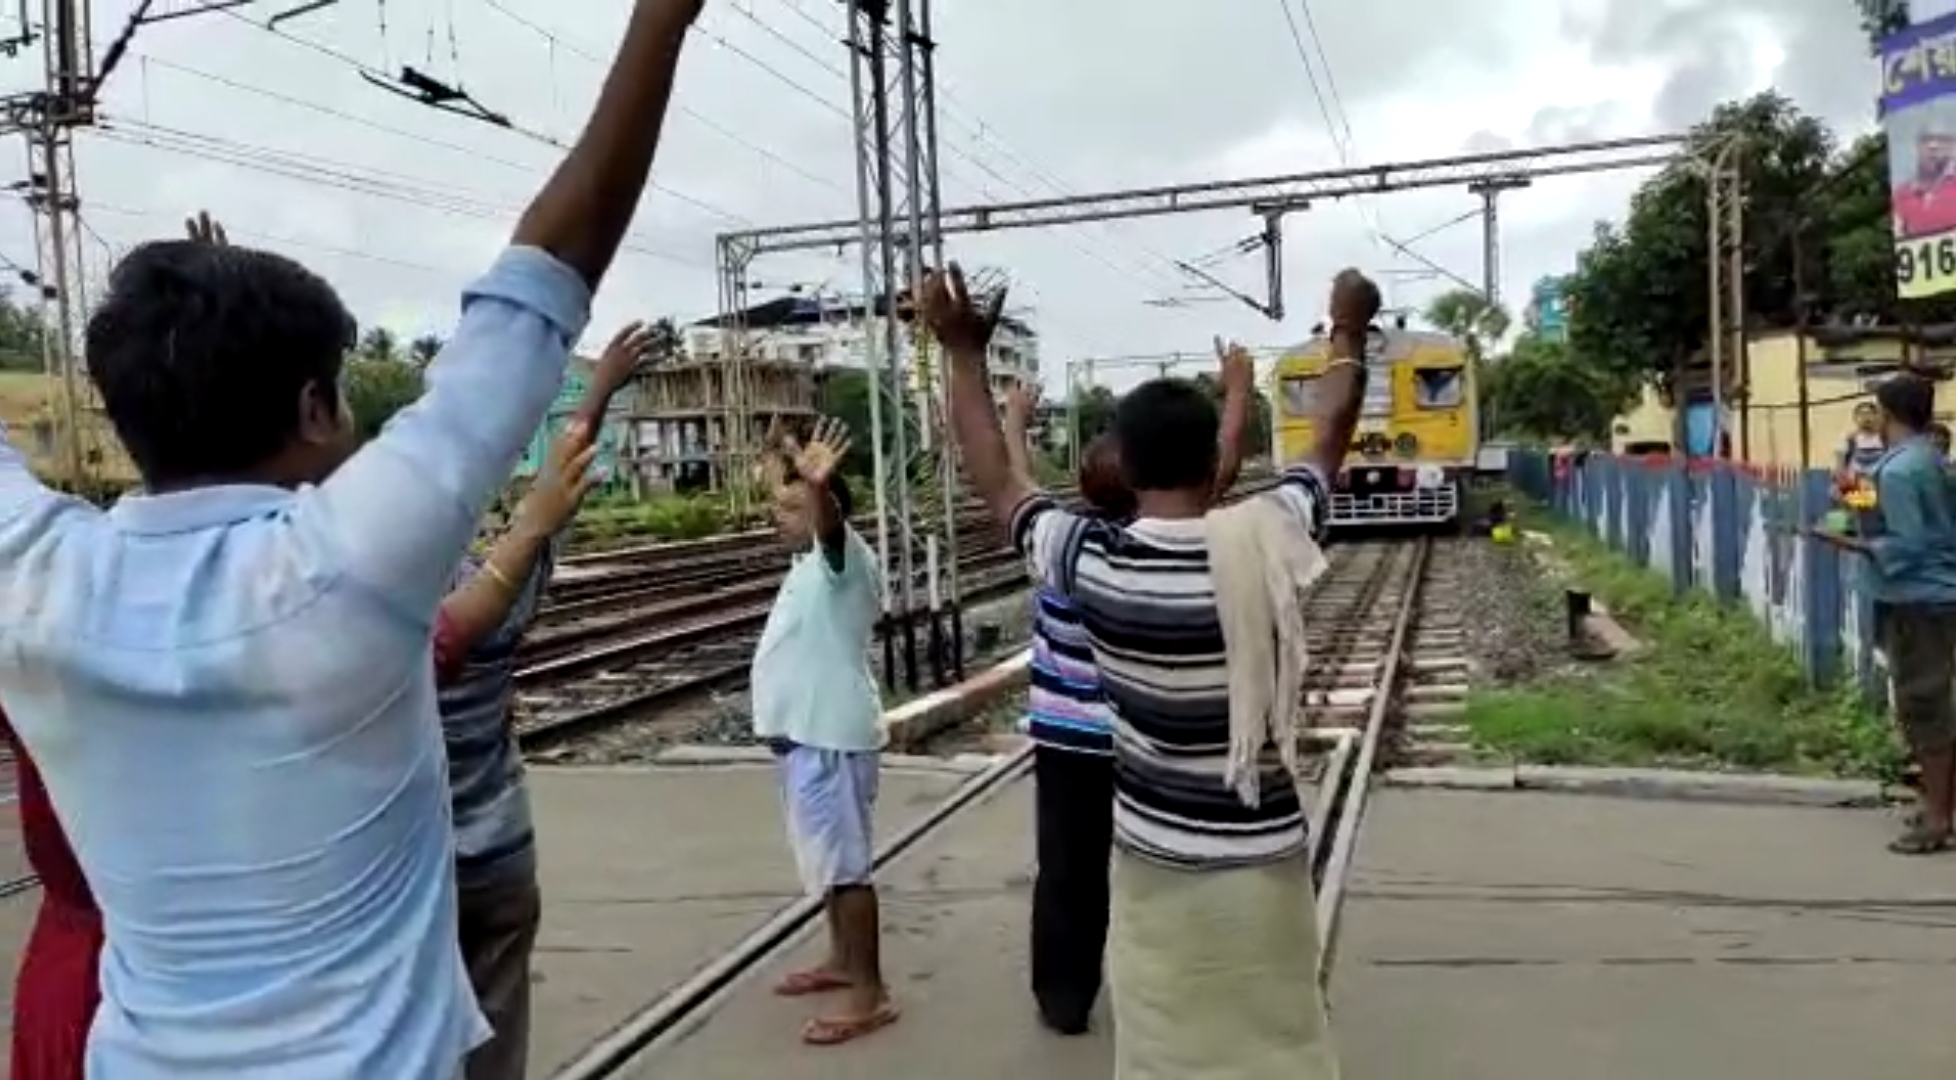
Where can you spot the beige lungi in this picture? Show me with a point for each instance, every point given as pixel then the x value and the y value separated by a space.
pixel 1214 974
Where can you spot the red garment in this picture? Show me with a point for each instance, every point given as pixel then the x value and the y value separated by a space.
pixel 450 654
pixel 57 990
pixel 1925 213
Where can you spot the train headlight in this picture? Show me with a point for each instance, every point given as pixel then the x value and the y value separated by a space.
pixel 1406 445
pixel 1429 476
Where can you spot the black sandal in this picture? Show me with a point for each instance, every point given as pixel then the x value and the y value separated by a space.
pixel 1922 840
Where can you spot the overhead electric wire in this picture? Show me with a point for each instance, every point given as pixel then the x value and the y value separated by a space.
pixel 439 197
pixel 554 37
pixel 364 68
pixel 641 244
pixel 284 241
pixel 955 151
pixel 951 107
pixel 558 41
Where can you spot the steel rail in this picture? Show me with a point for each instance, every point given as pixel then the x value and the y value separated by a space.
pixel 1351 810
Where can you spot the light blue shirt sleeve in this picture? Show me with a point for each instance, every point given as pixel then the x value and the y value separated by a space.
pixel 400 512
pixel 30 511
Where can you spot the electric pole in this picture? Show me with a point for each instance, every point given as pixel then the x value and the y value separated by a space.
pixel 1725 223
pixel 47 118
pixel 1490 191
pixel 891 74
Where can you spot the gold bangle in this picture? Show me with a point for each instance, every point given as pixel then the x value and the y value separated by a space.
pixel 496 575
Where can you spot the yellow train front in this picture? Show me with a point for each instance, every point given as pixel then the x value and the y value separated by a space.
pixel 1417 438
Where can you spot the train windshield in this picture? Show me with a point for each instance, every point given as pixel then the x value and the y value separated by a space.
pixel 1439 388
pixel 1298 393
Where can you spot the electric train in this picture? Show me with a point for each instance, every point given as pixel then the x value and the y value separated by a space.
pixel 1418 435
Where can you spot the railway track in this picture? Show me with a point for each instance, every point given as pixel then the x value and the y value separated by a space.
pixel 704 644
pixel 655 574
pixel 1385 645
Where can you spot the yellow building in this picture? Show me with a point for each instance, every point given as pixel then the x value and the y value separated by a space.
pixel 1843 366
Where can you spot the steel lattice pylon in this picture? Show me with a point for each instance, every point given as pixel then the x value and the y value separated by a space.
pixel 891 75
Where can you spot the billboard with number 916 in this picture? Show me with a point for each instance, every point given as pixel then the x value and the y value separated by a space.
pixel 1918 113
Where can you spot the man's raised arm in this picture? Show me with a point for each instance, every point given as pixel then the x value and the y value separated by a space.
pixel 1304 488
pixel 489 388
pixel 1239 389
pixel 964 330
pixel 1048 536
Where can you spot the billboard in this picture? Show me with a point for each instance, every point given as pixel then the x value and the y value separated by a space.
pixel 1548 309
pixel 1918 114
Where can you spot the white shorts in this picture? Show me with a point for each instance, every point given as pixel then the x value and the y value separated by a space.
pixel 830 799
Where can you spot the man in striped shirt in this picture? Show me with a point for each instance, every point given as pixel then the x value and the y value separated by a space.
pixel 1212 928
pixel 1073 763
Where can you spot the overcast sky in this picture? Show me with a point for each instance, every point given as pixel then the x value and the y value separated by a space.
pixel 398 204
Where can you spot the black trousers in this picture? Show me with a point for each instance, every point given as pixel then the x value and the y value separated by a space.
pixel 1075 808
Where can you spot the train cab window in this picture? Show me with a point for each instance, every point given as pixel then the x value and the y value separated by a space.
pixel 1299 391
pixel 1439 388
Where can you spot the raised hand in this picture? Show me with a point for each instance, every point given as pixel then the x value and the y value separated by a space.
pixel 1238 374
pixel 561 483
pixel 630 347
pixel 961 326
pixel 1354 302
pixel 1021 402
pixel 205 229
pixel 816 461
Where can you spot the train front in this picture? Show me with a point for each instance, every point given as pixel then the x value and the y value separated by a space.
pixel 1417 433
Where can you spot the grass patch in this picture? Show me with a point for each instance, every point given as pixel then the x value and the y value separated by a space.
pixel 1710 690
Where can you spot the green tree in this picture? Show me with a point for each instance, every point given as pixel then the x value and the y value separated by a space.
pixel 1542 390
pixel 21 334
pixel 1639 300
pixel 1468 315
pixel 1256 430
pixel 379 343
pixel 1093 411
pixel 666 341
pixel 1880 18
pixel 844 394
pixel 423 350
pixel 377 387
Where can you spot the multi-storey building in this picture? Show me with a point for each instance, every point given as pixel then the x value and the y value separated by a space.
pixel 680 421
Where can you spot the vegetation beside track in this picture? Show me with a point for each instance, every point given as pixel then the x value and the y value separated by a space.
pixel 1709 689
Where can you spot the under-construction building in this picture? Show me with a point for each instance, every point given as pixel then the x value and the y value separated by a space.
pixel 681 418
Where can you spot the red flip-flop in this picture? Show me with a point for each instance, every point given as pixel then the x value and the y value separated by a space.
pixel 836 1030
pixel 813 981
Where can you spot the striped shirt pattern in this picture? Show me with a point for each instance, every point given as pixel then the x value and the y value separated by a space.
pixel 1145 598
pixel 1065 709
pixel 495 838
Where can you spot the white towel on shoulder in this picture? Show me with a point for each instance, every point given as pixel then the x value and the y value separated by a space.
pixel 1261 560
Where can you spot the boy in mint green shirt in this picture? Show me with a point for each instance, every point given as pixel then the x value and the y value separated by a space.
pixel 816 705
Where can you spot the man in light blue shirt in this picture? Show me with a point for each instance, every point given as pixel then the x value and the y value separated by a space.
pixel 815 703
pixel 227 681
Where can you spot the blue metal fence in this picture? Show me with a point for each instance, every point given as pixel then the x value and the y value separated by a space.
pixel 1732 532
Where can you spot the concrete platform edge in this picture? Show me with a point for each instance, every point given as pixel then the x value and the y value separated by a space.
pixel 910 725
pixel 1672 784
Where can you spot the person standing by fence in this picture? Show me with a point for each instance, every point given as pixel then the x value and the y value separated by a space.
pixel 1908 538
